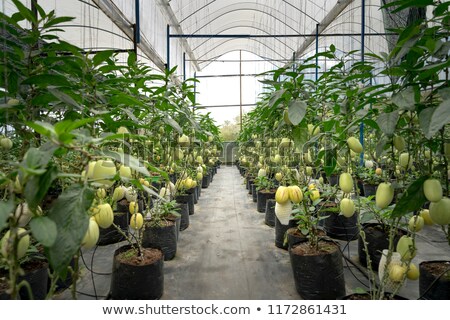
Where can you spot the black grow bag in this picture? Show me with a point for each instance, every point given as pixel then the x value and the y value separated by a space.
pixel 37 278
pixel 111 234
pixel 434 285
pixel 280 233
pixel 137 282
pixel 270 213
pixel 163 237
pixel 183 210
pixel 205 181
pixel 261 199
pixel 318 277
pixel 339 227
pixel 254 193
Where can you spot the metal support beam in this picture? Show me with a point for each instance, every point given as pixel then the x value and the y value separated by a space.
pixel 137 28
pixel 168 48
pixel 310 37
pixel 363 29
pixel 195 91
pixel 293 61
pixel 317 52
pixel 184 66
pixel 329 18
pixel 240 88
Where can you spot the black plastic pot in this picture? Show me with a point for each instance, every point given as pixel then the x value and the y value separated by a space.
pixel 318 277
pixel 270 213
pixel 177 220
pixel 191 203
pixel 137 282
pixel 339 227
pixel 377 240
pixel 261 199
pixel 369 189
pixel 183 210
pixel 366 296
pixel 360 185
pixel 199 191
pixel 205 181
pixel 434 280
pixel 163 237
pixel 254 193
pixel 196 195
pixel 111 234
pixel 280 233
pixel 249 184
pixel 36 274
pixel 333 179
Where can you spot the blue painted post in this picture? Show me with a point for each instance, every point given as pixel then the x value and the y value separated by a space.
pixel 137 30
pixel 317 51
pixel 184 66
pixel 168 48
pixel 363 30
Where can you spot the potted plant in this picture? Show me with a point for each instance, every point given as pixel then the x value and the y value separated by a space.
pixel 266 190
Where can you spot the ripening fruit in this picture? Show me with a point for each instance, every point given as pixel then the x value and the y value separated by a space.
pixel 405 247
pixel 199 169
pixel 104 215
pixel 413 272
pixel 6 143
pixel 368 164
pixel 183 141
pixel 425 214
pixel 416 223
pixel 433 190
pixel 24 214
pixel 354 145
pixel 396 272
pixel 199 160
pixel 312 186
pixel 283 212
pixel 313 131
pixel 346 182
pixel 278 176
pixel 13 102
pixel 92 234
pixel 282 195
pixel 122 130
pixel 384 195
pixel 104 171
pixel 262 172
pixel 136 221
pixel 347 207
pixel 285 143
pixel 399 143
pixel 277 159
pixel 378 171
pixel 295 194
pixel 427 154
pixel 314 194
pixel 440 212
pixel 321 181
pixel 146 183
pixel 101 193
pixel 286 118
pixel 164 193
pixel 133 207
pixel 118 194
pixel 199 176
pixel 405 160
pixel 125 172
pixel 22 246
pixel 90 169
pixel 309 170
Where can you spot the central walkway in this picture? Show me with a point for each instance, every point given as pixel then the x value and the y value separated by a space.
pixel 228 252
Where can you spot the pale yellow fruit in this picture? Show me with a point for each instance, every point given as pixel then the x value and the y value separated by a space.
pixel 346 182
pixel 425 214
pixel 278 176
pixel 277 159
pixel 416 223
pixel 101 193
pixel 309 170
pixel 384 195
pixel 183 141
pixel 125 172
pixel 347 207
pixel 119 193
pixel 354 145
pixel 133 207
pixel 6 143
pixel 262 172
pixel 413 272
pixel 406 248
pixel 405 160
pixel 283 212
pixel 396 272
pixel 399 143
pixel 433 190
pixel 440 212
pixel 314 194
pixel 104 215
pixel 92 234
pixel 295 194
pixel 282 195
pixel 104 171
pixel 136 221
pixel 22 246
pixel 122 130
pixel 378 171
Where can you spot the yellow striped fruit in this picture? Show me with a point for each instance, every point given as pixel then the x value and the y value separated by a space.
pixel 295 194
pixel 346 182
pixel 183 141
pixel 262 172
pixel 354 145
pixel 282 195
pixel 432 189
pixel 125 172
pixel 347 207
pixel 278 176
pixel 118 194
pixel 104 215
pixel 104 171
pixel 440 212
pixel 136 221
pixel 101 193
pixel 314 194
pixel 133 207
pixel 384 195
pixel 413 272
pixel 92 234
pixel 396 272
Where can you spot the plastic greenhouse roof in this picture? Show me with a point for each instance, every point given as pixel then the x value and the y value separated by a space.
pixel 106 24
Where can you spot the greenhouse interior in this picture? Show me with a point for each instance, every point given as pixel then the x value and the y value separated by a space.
pixel 229 150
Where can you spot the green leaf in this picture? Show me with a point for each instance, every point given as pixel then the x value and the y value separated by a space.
pixel 330 161
pixel 102 56
pixel 387 122
pixel 5 210
pixel 433 119
pixel 44 80
pixel 43 128
pixel 57 20
pixel 300 136
pixel 405 99
pixel 296 111
pixel 275 98
pixel 25 12
pixel 168 120
pixel 412 199
pixel 44 230
pixel 37 186
pixel 69 212
pixel 127 160
pixel 64 97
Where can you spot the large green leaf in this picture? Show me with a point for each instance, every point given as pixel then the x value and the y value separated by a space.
pixel 296 111
pixel 69 214
pixel 300 136
pixel 433 119
pixel 173 124
pixel 5 210
pixel 412 199
pixel 44 230
pixel 387 122
pixel 64 97
pixel 405 99
pixel 37 186
pixel 44 80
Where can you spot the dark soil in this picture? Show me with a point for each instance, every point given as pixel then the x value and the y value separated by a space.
pixel 305 249
pixel 437 268
pixel 297 233
pixel 267 191
pixel 130 257
pixel 34 264
pixel 161 223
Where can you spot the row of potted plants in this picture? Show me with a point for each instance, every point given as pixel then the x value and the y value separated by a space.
pixel 95 150
pixel 345 150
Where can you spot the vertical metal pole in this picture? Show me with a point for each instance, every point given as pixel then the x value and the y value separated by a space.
pixel 240 88
pixel 195 91
pixel 35 12
pixel 363 30
pixel 317 51
pixel 137 29
pixel 168 47
pixel 293 61
pixel 184 66
pixel 134 40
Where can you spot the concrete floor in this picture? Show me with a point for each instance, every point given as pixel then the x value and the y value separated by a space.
pixel 228 253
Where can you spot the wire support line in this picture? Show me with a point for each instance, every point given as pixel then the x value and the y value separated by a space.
pixel 245 36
